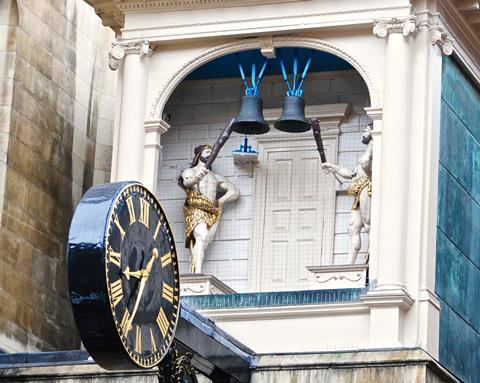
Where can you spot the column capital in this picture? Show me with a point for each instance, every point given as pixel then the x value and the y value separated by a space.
pixel 406 26
pixel 441 39
pixel 122 48
pixel 156 126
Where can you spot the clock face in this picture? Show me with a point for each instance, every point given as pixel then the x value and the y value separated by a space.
pixel 141 275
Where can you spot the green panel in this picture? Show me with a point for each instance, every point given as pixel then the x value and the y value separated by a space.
pixel 459 345
pixel 281 298
pixel 460 287
pixel 461 96
pixel 458 215
pixel 458 225
pixel 460 152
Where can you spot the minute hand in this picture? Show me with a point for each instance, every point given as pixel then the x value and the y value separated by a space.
pixel 145 274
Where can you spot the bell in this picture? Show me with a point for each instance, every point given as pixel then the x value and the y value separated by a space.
pixel 293 118
pixel 250 119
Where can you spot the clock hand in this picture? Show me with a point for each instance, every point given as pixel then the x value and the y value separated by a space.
pixel 144 274
pixel 150 263
pixel 135 274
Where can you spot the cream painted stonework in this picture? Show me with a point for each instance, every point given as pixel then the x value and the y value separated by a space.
pixel 396 48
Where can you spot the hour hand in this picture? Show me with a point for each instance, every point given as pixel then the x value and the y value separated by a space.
pixel 134 274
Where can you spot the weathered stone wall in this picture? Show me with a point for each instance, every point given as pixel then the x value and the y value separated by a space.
pixel 55 124
pixel 385 366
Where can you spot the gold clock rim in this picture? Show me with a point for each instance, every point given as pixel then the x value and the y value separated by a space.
pixel 134 358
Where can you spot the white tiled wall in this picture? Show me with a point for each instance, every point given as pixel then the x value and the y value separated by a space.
pixel 198 110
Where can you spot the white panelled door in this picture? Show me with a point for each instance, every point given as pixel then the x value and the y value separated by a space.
pixel 294 213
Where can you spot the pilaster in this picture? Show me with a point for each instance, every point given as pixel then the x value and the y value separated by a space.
pixel 395 143
pixel 389 298
pixel 376 114
pixel 153 151
pixel 131 136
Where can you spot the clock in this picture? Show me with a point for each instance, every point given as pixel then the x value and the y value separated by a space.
pixel 123 276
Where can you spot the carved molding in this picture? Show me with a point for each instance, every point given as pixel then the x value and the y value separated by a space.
pixel 442 39
pixel 406 26
pixel 388 298
pixel 202 58
pixel 200 284
pixel 339 276
pixel 120 49
pixel 127 5
pixel 266 46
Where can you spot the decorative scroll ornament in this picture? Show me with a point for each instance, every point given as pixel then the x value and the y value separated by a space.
pixel 442 40
pixel 121 49
pixel 382 28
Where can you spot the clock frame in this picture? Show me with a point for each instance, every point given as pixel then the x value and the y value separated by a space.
pixel 123 276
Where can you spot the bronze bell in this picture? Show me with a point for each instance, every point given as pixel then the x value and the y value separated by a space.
pixel 250 119
pixel 293 118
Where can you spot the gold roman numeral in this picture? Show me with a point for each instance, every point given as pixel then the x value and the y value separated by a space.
pixel 138 340
pixel 166 259
pixel 162 322
pixel 152 341
pixel 156 231
pixel 131 209
pixel 144 212
pixel 125 324
pixel 120 228
pixel 113 256
pixel 167 292
pixel 117 292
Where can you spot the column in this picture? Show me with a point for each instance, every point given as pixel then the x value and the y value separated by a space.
pixel 389 299
pixel 395 152
pixel 131 132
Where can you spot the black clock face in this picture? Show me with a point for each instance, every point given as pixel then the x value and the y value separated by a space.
pixel 142 275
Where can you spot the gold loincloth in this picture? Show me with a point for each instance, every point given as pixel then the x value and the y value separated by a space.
pixel 198 209
pixel 356 187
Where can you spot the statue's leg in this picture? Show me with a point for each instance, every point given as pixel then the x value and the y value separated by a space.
pixel 365 209
pixel 201 234
pixel 354 228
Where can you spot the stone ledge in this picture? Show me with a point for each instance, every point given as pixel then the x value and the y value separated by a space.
pixel 200 284
pixel 392 362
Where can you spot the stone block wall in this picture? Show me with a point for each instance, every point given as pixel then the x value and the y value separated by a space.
pixel 56 131
pixel 199 110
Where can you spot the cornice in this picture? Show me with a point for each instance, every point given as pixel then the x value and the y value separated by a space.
pixel 233 25
pixel 467 42
pixel 175 5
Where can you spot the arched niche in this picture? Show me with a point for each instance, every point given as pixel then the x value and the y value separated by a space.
pixel 164 93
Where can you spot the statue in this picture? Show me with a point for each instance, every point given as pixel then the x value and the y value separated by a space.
pixel 202 209
pixel 361 190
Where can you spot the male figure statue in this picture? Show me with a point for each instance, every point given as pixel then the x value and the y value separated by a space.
pixel 361 190
pixel 202 209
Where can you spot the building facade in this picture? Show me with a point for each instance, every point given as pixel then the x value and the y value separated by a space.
pixel 408 68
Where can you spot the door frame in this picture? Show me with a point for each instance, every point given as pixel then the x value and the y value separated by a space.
pixel 330 116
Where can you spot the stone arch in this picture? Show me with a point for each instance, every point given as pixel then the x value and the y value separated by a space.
pixel 256 43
